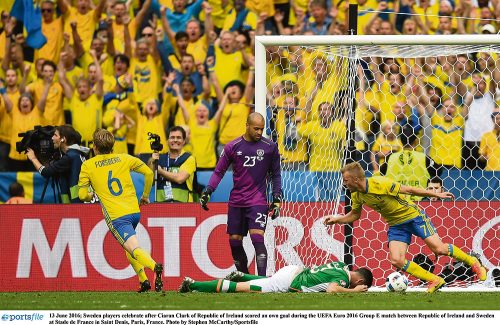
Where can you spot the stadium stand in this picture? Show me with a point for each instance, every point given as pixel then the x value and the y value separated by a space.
pixel 142 47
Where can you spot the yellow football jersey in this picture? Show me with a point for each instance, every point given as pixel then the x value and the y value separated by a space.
pixel 87 115
pixel 109 176
pixel 382 195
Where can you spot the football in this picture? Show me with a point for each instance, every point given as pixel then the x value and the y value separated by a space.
pixel 396 282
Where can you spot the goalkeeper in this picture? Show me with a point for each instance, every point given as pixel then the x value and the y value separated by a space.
pixel 254 158
pixel 404 218
pixel 333 277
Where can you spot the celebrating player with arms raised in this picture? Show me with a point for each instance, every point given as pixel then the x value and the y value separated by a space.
pixel 108 174
pixel 253 158
pixel 404 218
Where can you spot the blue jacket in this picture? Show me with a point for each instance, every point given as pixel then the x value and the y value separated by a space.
pixel 66 171
pixel 178 21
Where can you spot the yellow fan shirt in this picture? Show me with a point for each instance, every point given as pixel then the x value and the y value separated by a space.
pixel 53 31
pixel 53 114
pixel 86 115
pixel 233 120
pixel 146 79
pixel 203 139
pixel 490 147
pixel 20 124
pixel 326 144
pixel 85 25
pixel 228 67
pixel 290 155
pixel 382 143
pixel 446 140
pixel 144 126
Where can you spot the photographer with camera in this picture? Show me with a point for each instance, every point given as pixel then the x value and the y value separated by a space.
pixel 66 169
pixel 176 169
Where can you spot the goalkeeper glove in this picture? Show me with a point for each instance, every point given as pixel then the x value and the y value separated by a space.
pixel 274 208
pixel 205 197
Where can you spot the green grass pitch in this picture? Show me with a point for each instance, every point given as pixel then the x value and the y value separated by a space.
pixel 279 301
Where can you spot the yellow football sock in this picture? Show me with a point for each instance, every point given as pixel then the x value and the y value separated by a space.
pixel 460 255
pixel 417 271
pixel 144 258
pixel 138 268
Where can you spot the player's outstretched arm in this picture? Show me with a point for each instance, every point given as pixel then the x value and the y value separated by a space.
pixel 341 219
pixel 335 288
pixel 425 193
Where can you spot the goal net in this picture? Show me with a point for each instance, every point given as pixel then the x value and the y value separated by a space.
pixel 390 103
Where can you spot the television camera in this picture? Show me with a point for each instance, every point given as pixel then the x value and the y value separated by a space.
pixel 40 141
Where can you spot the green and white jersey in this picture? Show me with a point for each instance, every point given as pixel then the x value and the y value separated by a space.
pixel 318 278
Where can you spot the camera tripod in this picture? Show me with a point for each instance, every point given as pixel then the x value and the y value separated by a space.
pixel 56 190
pixel 156 146
pixel 155 180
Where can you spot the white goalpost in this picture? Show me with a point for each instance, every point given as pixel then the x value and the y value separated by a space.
pixel 329 99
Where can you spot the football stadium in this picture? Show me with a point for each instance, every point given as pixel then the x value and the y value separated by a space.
pixel 245 155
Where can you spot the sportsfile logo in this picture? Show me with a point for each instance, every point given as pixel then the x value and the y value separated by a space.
pixel 22 317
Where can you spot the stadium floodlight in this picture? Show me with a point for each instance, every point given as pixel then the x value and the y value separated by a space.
pixel 393 82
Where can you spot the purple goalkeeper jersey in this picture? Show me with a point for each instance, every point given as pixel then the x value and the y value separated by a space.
pixel 253 164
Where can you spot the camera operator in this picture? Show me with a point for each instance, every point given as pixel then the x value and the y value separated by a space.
pixel 176 169
pixel 65 170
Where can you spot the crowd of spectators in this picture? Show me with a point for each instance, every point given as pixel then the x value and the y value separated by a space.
pixel 135 67
pixel 444 105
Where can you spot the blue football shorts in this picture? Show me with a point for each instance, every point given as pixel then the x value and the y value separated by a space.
pixel 420 226
pixel 124 227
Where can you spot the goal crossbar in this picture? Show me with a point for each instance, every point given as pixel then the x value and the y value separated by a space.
pixel 298 40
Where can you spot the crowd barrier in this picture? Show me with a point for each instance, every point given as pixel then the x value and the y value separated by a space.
pixel 464 184
pixel 69 248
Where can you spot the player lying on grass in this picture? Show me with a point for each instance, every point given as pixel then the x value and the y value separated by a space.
pixel 405 219
pixel 332 277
